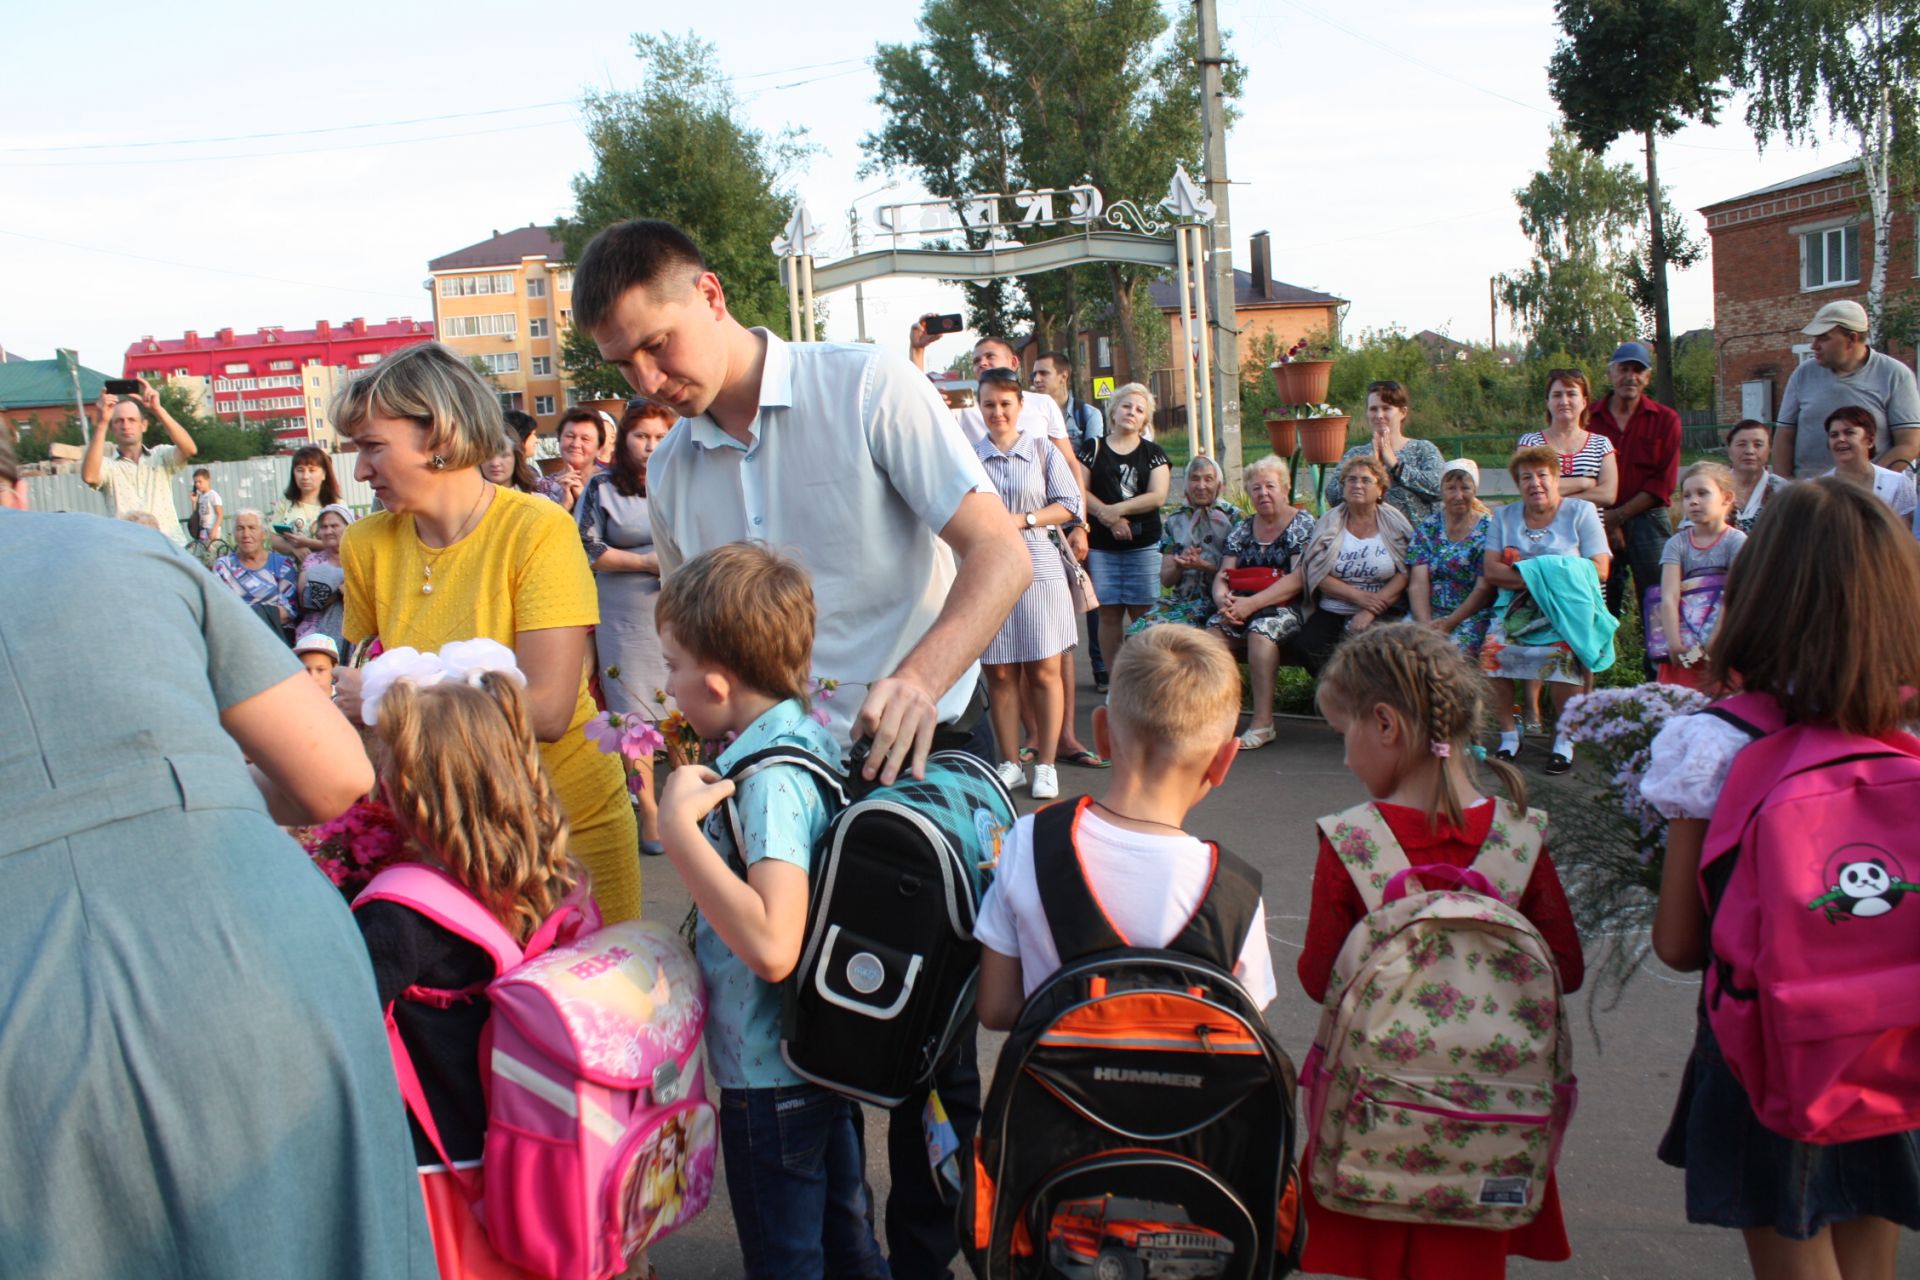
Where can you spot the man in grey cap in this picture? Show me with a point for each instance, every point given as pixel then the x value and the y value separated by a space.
pixel 1845 371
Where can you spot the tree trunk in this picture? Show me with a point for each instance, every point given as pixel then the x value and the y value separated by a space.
pixel 1657 255
pixel 1128 360
pixel 1875 160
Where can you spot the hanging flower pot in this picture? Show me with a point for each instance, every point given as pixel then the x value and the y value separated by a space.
pixel 1302 381
pixel 1283 431
pixel 1324 440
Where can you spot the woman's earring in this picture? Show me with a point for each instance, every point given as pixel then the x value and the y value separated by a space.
pixel 439 463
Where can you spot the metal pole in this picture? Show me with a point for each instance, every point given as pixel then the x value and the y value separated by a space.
pixel 1208 398
pixel 1225 327
pixel 1187 334
pixel 1493 315
pixel 806 296
pixel 793 298
pixel 859 290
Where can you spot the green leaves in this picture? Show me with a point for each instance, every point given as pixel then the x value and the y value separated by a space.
pixel 1640 66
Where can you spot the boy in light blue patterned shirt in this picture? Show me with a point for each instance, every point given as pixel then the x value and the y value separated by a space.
pixel 736 630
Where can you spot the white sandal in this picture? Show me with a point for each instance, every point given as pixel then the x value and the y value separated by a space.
pixel 1254 739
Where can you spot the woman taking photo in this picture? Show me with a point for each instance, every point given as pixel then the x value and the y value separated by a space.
pixel 618 533
pixel 1257 590
pixel 1023 659
pixel 582 433
pixel 1522 642
pixel 1191 548
pixel 1749 450
pixel 265 579
pixel 453 557
pixel 1128 477
pixel 311 489
pixel 1413 466
pixel 1356 564
pixel 1850 437
pixel 1588 466
pixel 1448 591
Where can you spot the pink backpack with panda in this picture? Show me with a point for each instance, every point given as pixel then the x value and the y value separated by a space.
pixel 600 1138
pixel 1811 877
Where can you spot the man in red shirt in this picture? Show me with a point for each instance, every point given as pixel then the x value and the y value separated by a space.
pixel 1646 435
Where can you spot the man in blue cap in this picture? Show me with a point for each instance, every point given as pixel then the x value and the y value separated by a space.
pixel 1646 435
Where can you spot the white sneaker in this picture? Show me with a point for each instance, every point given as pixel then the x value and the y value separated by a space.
pixel 1012 776
pixel 1046 783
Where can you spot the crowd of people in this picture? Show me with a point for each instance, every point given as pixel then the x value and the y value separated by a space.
pixel 711 552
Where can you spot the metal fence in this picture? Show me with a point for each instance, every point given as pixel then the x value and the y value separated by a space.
pixel 258 483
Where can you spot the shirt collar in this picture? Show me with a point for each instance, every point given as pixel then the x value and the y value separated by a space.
pixel 778 721
pixel 776 391
pixel 1023 447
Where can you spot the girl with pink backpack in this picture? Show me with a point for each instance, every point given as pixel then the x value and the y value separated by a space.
pixel 1789 854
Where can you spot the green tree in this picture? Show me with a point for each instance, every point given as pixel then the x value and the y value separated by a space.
pixel 679 149
pixel 1581 214
pixel 1005 95
pixel 1853 64
pixel 1645 67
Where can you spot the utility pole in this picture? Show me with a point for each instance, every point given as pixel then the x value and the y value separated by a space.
pixel 1493 316
pixel 1223 320
pixel 859 290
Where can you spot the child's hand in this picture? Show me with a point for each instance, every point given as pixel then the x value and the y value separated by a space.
pixel 692 792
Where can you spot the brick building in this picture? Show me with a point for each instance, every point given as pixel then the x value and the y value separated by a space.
pixel 275 373
pixel 508 301
pixel 38 395
pixel 1779 255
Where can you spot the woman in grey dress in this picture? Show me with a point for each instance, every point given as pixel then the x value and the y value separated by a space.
pixel 618 533
pixel 197 1079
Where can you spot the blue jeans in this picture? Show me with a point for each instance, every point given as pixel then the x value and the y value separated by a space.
pixel 796 1178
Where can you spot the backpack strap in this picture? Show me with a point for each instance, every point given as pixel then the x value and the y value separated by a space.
pixel 1215 932
pixel 831 781
pixel 1367 848
pixel 1754 714
pixel 1511 851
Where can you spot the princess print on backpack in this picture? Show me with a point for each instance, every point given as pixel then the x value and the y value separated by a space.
pixel 1440 944
pixel 1789 877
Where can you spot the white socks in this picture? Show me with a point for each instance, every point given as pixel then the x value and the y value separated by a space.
pixel 1562 746
pixel 1510 741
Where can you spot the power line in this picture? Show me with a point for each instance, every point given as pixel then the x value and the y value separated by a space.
pixel 286 133
pixel 194 266
pixel 277 155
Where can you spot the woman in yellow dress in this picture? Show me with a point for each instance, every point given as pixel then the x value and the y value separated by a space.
pixel 453 557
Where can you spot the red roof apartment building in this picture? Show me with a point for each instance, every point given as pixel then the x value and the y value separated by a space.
pixel 1779 255
pixel 274 373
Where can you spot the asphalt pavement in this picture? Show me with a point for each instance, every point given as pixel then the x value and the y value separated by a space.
pixel 1625 1210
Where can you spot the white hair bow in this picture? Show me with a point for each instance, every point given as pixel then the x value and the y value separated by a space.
pixel 465 660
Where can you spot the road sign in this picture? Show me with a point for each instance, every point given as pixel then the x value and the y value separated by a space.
pixel 1103 388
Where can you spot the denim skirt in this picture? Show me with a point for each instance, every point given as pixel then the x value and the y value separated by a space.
pixel 1742 1174
pixel 1125 577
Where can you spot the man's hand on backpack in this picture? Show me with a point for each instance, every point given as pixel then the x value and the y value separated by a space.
pixel 900 717
pixel 692 792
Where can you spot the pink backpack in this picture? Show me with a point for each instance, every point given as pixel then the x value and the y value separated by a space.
pixel 600 1138
pixel 1813 989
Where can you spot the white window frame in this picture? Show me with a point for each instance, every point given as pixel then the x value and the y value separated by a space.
pixel 511 399
pixel 241 367
pixel 536 287
pixel 543 406
pixel 502 324
pixel 563 280
pixel 472 286
pixel 537 327
pixel 543 366
pixel 1807 236
pixel 1802 352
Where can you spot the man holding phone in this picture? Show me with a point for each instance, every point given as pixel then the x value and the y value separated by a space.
pixel 137 478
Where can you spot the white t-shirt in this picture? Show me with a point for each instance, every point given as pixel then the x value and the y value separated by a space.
pixel 1149 885
pixel 1895 488
pixel 1360 562
pixel 1039 416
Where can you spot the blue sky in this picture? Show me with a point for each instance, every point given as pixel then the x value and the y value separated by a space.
pixel 1379 144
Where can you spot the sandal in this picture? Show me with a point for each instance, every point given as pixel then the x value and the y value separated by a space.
pixel 1559 764
pixel 1027 755
pixel 1502 753
pixel 1085 759
pixel 1254 739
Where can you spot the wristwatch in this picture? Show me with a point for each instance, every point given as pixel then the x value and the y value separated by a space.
pixel 1033 520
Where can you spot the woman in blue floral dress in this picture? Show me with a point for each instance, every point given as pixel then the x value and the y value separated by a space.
pixel 1257 591
pixel 1448 591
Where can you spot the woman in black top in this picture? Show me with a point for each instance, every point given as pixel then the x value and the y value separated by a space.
pixel 1128 477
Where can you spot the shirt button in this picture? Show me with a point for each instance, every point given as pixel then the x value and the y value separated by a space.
pixel 756 519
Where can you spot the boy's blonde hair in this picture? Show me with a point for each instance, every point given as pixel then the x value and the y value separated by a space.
pixel 462 773
pixel 1423 678
pixel 748 609
pixel 1176 693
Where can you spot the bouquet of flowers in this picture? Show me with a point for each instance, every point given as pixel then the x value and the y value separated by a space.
pixel 634 738
pixel 355 846
pixel 1610 845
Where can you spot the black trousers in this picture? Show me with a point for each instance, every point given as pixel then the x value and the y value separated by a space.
pixel 1315 641
pixel 1647 535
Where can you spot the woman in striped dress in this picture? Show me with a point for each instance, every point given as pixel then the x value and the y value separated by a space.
pixel 1023 659
pixel 1588 467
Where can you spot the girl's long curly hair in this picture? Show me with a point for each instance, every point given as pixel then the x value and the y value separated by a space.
pixel 462 774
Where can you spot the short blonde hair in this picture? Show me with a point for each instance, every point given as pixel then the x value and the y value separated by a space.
pixel 1176 693
pixel 1717 472
pixel 1134 389
pixel 434 388
pixel 748 609
pixel 1269 462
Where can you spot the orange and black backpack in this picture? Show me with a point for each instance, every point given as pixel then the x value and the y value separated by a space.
pixel 1140 1122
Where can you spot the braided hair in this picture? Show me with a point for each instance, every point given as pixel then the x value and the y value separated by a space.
pixel 1422 677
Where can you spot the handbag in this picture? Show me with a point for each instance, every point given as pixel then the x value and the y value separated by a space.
pixel 1247 580
pixel 1079 582
pixel 1699 611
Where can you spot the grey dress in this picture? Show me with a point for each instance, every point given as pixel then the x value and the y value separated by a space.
pixel 197 1077
pixel 625 639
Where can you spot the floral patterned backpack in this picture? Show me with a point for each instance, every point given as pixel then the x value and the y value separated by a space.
pixel 1440 1081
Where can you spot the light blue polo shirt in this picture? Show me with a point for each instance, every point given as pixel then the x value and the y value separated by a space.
pixel 781 814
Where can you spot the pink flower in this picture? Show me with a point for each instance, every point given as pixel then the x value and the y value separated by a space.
pixel 819 715
pixel 603 731
pixel 640 738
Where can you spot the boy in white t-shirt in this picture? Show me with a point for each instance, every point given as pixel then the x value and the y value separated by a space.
pixel 1168 728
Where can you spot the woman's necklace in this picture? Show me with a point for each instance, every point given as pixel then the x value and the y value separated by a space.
pixel 428 555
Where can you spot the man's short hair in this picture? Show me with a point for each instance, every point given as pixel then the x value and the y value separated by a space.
pixel 1061 360
pixel 747 609
pixel 637 253
pixel 990 340
pixel 1176 693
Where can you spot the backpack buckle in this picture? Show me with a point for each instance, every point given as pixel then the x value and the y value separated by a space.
pixel 666 1083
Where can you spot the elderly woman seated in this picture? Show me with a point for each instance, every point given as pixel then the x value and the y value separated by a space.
pixel 1549 622
pixel 1255 593
pixel 262 577
pixel 1356 564
pixel 1193 541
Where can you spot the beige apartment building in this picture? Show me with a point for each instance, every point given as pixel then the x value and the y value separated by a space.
pixel 507 301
